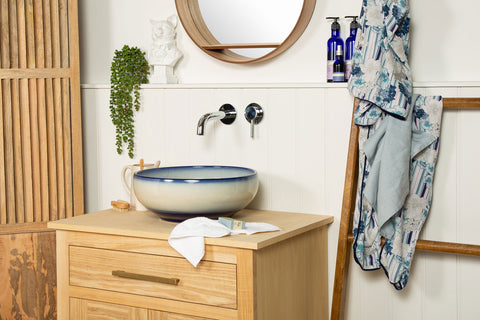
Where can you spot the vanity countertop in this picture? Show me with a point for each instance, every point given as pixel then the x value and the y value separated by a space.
pixel 146 224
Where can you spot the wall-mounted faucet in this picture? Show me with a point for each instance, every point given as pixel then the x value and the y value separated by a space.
pixel 226 114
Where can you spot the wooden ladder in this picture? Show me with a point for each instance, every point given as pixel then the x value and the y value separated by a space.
pixel 345 237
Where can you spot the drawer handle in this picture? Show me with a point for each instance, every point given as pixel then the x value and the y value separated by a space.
pixel 137 276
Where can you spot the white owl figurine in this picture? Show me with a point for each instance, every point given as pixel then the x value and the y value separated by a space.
pixel 164 54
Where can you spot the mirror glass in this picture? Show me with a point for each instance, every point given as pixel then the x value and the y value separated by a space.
pixel 250 21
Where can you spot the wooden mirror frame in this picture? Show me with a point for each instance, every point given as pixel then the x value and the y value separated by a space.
pixel 197 30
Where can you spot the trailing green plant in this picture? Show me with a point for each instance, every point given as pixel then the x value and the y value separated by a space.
pixel 129 70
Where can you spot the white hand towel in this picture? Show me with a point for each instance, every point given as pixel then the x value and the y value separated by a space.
pixel 187 238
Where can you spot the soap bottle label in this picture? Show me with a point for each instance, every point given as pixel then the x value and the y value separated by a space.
pixel 338 76
pixel 348 69
pixel 330 70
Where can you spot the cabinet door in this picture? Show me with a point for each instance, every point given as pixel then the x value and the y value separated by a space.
pixel 159 315
pixel 94 310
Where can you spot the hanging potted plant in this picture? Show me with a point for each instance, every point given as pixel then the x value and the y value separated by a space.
pixel 129 70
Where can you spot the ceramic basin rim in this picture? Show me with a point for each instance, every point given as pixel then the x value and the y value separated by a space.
pixel 249 174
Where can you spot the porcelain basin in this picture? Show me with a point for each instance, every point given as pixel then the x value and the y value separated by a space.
pixel 179 193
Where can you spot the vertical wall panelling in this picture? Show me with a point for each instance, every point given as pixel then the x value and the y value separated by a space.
pixel 255 153
pixel 106 154
pixel 91 129
pixel 310 147
pixel 225 144
pixel 442 221
pixel 176 124
pixel 337 123
pixel 209 102
pixel 299 152
pixel 282 129
pixel 468 179
pixel 468 219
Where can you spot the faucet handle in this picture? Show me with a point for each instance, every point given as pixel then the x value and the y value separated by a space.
pixel 253 114
pixel 230 113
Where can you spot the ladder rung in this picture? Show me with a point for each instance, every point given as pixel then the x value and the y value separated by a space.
pixel 461 103
pixel 440 246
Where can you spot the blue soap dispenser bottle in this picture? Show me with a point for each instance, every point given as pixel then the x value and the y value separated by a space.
pixel 339 66
pixel 332 44
pixel 349 46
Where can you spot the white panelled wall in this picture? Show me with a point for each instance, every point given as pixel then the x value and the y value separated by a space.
pixel 300 146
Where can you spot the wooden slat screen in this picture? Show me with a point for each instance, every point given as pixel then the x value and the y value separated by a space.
pixel 41 170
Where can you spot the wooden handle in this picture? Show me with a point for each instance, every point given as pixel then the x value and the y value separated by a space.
pixel 120 204
pixel 144 277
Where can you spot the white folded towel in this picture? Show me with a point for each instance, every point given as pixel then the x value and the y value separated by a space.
pixel 187 237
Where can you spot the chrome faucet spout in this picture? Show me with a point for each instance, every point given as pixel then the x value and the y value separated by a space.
pixel 207 117
pixel 226 114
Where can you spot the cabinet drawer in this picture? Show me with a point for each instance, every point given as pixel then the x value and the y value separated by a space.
pixel 211 283
pixel 81 309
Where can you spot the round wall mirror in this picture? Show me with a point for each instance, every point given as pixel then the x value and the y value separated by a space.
pixel 243 31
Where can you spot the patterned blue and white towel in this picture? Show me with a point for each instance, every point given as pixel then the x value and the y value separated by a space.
pixel 398 140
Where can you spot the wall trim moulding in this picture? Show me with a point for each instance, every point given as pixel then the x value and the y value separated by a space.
pixel 278 85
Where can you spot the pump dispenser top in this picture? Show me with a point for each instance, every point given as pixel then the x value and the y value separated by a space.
pixel 332 44
pixel 335 24
pixel 354 23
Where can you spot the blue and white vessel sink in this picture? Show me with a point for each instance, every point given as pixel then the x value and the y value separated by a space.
pixel 180 193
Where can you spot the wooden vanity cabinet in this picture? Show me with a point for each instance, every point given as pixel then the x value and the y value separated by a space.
pixel 114 265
